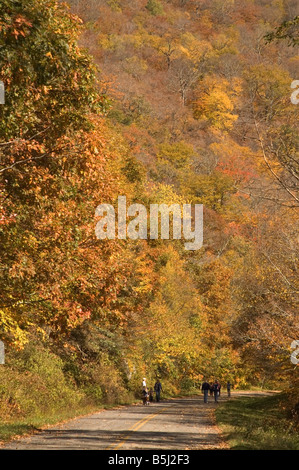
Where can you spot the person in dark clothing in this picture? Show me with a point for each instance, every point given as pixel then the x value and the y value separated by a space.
pixel 216 388
pixel 158 389
pixel 145 396
pixel 205 389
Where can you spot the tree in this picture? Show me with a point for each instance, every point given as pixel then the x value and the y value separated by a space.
pixel 213 104
pixel 54 169
pixel 266 290
pixel 182 76
pixel 49 82
pixel 174 322
pixel 287 30
pixel 273 118
pixel 154 7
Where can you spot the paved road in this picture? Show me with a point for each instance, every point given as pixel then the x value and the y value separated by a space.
pixel 178 424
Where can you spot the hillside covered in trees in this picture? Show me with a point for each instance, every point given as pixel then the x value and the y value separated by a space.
pixel 161 101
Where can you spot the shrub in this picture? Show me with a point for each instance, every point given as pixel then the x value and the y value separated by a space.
pixel 33 383
pixel 154 7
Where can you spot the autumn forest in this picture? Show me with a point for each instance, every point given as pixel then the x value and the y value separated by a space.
pixel 161 101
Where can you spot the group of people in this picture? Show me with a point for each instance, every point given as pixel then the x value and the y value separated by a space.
pixel 148 394
pixel 214 388
pixel 208 388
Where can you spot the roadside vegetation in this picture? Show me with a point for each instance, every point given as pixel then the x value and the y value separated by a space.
pixel 38 388
pixel 259 423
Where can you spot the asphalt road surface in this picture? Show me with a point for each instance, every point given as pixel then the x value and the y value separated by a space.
pixel 180 424
pixel 176 424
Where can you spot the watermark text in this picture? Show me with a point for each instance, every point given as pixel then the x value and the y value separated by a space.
pixel 170 221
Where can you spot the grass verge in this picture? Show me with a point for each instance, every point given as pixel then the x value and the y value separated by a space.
pixel 257 423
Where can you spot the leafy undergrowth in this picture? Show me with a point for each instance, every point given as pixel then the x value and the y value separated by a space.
pixel 36 391
pixel 258 423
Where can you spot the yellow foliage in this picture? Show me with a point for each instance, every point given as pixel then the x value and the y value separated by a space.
pixel 214 104
pixel 11 331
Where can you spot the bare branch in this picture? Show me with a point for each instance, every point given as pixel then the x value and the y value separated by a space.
pixel 270 168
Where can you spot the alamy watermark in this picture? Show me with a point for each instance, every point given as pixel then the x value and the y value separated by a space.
pixel 295 345
pixel 295 94
pixel 2 93
pixel 2 353
pixel 171 221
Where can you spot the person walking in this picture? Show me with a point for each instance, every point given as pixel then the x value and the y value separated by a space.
pixel 145 396
pixel 205 389
pixel 158 389
pixel 216 387
pixel 228 387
